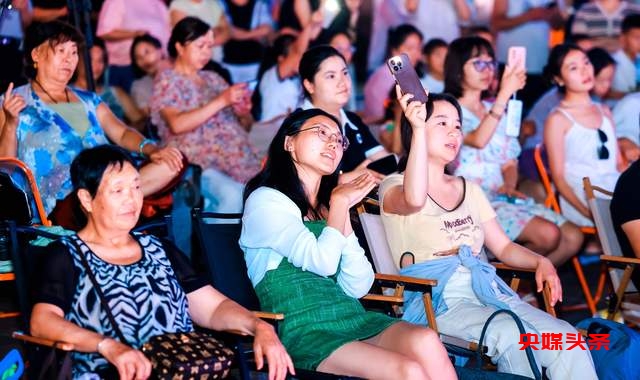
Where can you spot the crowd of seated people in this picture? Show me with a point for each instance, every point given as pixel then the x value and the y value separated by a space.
pixel 203 73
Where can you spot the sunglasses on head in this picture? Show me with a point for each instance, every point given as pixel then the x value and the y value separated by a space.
pixel 481 65
pixel 603 152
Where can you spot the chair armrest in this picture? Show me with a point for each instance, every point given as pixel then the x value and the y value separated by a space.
pixel 267 315
pixel 64 346
pixel 405 280
pixel 461 343
pixel 505 267
pixel 383 298
pixel 620 260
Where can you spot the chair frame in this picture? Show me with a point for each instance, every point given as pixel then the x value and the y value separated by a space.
pixel 612 257
pixel 551 202
pixel 32 184
pixel 39 209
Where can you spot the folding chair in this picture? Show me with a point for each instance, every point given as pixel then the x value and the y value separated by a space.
pixel 383 259
pixel 26 258
pixel 620 267
pixel 19 201
pixel 551 201
pixel 17 174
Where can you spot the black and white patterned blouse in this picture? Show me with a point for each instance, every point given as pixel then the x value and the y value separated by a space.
pixel 147 298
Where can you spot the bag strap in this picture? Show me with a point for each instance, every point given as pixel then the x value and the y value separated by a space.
pixel 96 286
pixel 532 360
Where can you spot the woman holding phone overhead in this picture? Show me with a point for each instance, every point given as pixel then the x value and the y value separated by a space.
pixel 445 221
pixel 199 113
pixel 327 85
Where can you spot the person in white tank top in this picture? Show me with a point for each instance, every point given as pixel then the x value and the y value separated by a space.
pixel 579 134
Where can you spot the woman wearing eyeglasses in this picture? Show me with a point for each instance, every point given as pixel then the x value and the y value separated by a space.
pixel 489 156
pixel 579 134
pixel 305 261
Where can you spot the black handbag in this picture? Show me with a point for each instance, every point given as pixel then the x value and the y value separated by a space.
pixel 180 355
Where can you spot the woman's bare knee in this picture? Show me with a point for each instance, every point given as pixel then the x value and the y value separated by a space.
pixel 410 369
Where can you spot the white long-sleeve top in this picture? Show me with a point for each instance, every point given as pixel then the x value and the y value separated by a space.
pixel 273 229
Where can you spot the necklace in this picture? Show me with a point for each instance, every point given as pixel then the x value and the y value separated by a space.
pixel 66 93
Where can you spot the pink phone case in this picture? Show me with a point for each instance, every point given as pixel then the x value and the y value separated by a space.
pixel 406 76
pixel 517 55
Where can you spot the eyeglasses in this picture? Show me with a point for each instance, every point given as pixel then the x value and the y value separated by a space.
pixel 481 65
pixel 603 152
pixel 325 135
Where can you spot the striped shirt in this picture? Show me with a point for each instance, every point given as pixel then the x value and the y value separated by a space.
pixel 593 21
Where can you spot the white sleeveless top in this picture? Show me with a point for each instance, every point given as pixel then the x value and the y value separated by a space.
pixel 581 145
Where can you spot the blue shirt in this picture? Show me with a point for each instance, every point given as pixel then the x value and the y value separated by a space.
pixel 47 144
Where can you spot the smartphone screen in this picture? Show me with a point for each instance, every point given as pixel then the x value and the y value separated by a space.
pixel 517 56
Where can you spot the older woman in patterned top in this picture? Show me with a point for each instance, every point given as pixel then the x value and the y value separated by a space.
pixel 46 123
pixel 200 113
pixel 146 279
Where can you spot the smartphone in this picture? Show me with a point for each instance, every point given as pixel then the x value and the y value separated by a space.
pixel 517 56
pixel 406 77
pixel 252 84
pixel 385 165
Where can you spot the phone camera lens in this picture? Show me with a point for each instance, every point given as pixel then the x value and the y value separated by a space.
pixel 395 68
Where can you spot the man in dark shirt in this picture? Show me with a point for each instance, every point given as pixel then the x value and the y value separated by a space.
pixel 625 214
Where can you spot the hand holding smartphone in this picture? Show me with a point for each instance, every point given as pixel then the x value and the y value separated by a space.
pixel 406 77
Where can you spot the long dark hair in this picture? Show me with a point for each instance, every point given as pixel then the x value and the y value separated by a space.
pixel 406 131
pixel 554 63
pixel 280 173
pixel 311 61
pixel 460 51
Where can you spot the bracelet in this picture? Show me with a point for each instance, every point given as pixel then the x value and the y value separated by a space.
pixel 494 115
pixel 104 339
pixel 143 143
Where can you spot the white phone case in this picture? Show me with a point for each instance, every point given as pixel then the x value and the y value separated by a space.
pixel 514 117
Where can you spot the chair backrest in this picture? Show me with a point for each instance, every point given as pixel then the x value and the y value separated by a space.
pixel 219 254
pixel 599 206
pixel 377 242
pixel 27 261
pixel 19 196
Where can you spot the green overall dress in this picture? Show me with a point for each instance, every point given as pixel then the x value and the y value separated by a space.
pixel 319 316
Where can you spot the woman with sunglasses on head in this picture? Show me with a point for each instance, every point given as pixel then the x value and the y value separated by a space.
pixel 489 157
pixel 327 85
pixel 579 134
pixel 305 261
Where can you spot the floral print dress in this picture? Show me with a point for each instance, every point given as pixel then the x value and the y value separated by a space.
pixel 220 143
pixel 484 167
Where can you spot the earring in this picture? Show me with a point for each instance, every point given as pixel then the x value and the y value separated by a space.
pixel 35 65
